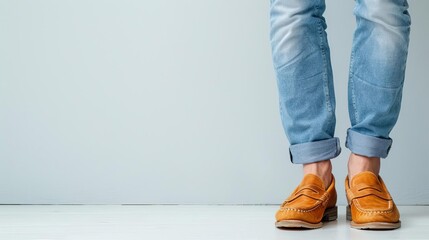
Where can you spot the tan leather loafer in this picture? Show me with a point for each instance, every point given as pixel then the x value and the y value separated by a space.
pixel 308 205
pixel 370 204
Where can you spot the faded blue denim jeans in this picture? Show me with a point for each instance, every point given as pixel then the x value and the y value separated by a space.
pixel 301 59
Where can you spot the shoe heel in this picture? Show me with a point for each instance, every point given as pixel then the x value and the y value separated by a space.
pixel 330 214
pixel 349 213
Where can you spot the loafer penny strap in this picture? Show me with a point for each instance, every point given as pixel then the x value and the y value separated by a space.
pixel 363 190
pixel 311 191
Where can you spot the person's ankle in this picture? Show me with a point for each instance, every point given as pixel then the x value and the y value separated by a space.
pixel 358 163
pixel 322 169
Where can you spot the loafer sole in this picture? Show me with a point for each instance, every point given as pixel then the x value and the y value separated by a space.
pixel 376 225
pixel 371 225
pixel 330 214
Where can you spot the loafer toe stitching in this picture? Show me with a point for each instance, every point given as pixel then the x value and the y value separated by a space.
pixel 372 211
pixel 313 208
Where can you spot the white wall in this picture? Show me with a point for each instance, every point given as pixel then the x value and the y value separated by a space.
pixel 171 102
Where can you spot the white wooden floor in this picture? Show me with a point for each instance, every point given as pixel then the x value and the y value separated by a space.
pixel 147 222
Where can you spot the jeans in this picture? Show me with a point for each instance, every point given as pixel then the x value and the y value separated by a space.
pixel 301 59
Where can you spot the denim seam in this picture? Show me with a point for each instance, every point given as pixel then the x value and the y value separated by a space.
pixel 352 86
pixel 407 13
pixel 325 66
pixel 351 82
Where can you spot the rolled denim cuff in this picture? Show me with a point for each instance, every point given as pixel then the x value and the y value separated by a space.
pixel 315 151
pixel 366 145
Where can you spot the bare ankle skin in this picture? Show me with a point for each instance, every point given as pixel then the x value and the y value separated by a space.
pixel 359 163
pixel 322 169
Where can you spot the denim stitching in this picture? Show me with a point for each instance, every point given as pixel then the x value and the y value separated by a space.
pixel 351 82
pixel 325 64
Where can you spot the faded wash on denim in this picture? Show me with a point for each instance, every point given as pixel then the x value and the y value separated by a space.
pixel 301 58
